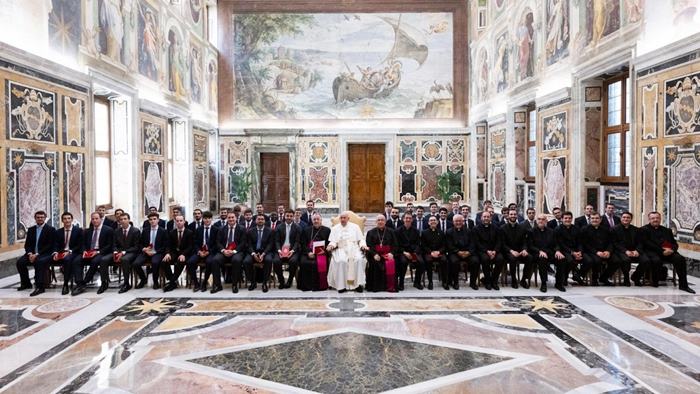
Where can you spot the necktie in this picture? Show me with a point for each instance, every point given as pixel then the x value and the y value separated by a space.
pixel 154 232
pixel 443 226
pixel 274 224
pixel 67 240
pixel 420 224
pixel 38 235
pixel 230 234
pixel 611 221
pixel 179 238
pixel 93 243
pixel 206 235
pixel 588 220
pixel 258 244
pixel 286 235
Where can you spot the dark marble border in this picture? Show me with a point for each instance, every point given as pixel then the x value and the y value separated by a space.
pixel 669 64
pixel 40 75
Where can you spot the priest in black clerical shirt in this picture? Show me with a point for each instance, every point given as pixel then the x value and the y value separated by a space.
pixel 569 251
pixel 487 238
pixel 597 250
pixel 433 246
pixel 460 248
pixel 627 240
pixel 313 266
pixel 663 248
pixel 541 245
pixel 408 237
pixel 515 249
pixel 381 257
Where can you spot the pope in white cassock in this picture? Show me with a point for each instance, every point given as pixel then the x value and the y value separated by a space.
pixel 347 268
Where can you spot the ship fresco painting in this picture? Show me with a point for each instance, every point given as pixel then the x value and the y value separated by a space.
pixel 343 66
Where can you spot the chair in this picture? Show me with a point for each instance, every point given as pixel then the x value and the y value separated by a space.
pixel 354 218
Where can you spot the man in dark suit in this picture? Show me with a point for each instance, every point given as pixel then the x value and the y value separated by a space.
pixel 542 246
pixel 443 223
pixel 69 245
pixel 585 219
pixel 223 215
pixel 487 204
pixel 597 250
pixel 98 245
pixel 433 245
pixel 306 217
pixel 38 248
pixel 394 221
pixel 627 241
pixel 460 249
pixel 275 220
pixel 102 211
pixel 117 214
pixel 197 222
pixel 146 223
pixel 609 220
pixel 180 248
pixel 434 210
pixel 388 206
pixel 515 206
pixel 662 248
pixel 154 244
pixel 569 251
pixel 408 237
pixel 487 238
pixel 260 247
pixel 206 250
pixel 248 221
pixel 126 248
pixel 420 221
pixel 466 211
pixel 556 222
pixel 313 266
pixel 297 219
pixel 515 249
pixel 171 223
pixel 260 210
pixel 232 244
pixel 287 238
pixel 454 211
pixel 529 223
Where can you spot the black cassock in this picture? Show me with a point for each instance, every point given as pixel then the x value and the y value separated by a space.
pixel 309 278
pixel 378 279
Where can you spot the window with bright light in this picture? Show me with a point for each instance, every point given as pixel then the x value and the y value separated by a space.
pixel 616 134
pixel 531 145
pixel 169 158
pixel 103 152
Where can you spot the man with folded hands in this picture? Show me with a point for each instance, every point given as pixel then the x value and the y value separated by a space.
pixel 98 244
pixel 69 245
pixel 180 248
pixel 205 250
pixel 126 248
pixel 154 243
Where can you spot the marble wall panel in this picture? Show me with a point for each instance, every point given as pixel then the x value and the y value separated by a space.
pixel 554 131
pixel 318 170
pixel 32 113
pixel 520 152
pixel 684 183
pixel 481 157
pixel 593 146
pixel 200 162
pixel 682 102
pixel 153 138
pixel 650 110
pixel 153 185
pixel 498 183
pixel 73 121
pixel 235 161
pixel 649 179
pixel 554 183
pixel 74 184
pixel 429 178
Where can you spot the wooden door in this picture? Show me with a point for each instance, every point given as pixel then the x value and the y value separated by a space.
pixel 366 169
pixel 274 180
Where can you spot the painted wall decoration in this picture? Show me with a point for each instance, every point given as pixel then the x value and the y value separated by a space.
pixel 683 185
pixel 649 177
pixel 618 196
pixel 481 157
pixel 554 131
pixel 498 184
pixel 496 163
pixel 520 152
pixel 153 138
pixel 177 64
pixel 525 46
pixel 234 156
pixel 554 183
pixel 602 19
pixel 153 185
pixel 74 184
pixel 343 66
pixel 497 142
pixel 73 121
pixel 650 110
pixel 593 144
pixel 196 69
pixel 408 170
pixel 150 41
pixel 32 113
pixel 497 7
pixel 593 93
pixel 32 185
pixel 501 66
pixel 682 105
pixel 200 171
pixel 65 26
pixel 212 85
pixel 482 79
pixel 634 10
pixel 557 30
pixel 111 29
pixel 318 170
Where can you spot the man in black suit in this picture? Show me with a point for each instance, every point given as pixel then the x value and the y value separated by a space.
pixel 515 250
pixel 388 206
pixel 206 250
pixel 460 249
pixel 454 211
pixel 487 238
pixel 126 248
pixel 260 210
pixel 466 211
pixel 98 245
pixel 515 206
pixel 597 250
pixel 197 222
pixel 248 222
pixel 38 248
pixel 443 223
pixel 487 204
pixel 232 244
pixel 529 223
pixel 569 251
pixel 260 246
pixel 408 237
pixel 69 245
pixel 117 214
pixel 542 246
pixel 420 221
pixel 585 219
pixel 146 223
pixel 306 217
pixel 154 244
pixel 275 220
pixel 627 242
pixel 383 248
pixel 394 221
pixel 556 222
pixel 434 211
pixel 180 249
pixel 609 220
pixel 662 248
pixel 313 265
pixel 287 238
pixel 433 245
pixel 297 219
pixel 102 211
pixel 223 215
pixel 177 211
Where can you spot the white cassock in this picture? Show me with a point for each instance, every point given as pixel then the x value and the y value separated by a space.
pixel 347 269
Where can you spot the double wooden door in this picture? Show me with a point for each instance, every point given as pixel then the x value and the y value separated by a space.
pixel 274 180
pixel 366 173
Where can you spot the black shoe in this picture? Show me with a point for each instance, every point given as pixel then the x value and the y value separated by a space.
pixel 203 287
pixel 80 289
pixel 37 291
pixel 627 283
pixel 359 289
pixel 169 287
pixel 456 286
pixel 430 285
pixel 560 287
pixel 594 283
pixel 638 283
pixel 282 286
pixel 341 291
pixel 264 287
pixel 543 288
pixel 606 282
pixel 514 284
pixel 654 284
pixel 24 287
pixel 65 289
pixel 140 284
pixel 445 286
pixel 399 287
pixel 684 288
pixel 235 288
pixel 288 285
pixel 487 285
pixel 103 288
pixel 474 286
pixel 494 286
pixel 156 285
pixel 578 279
pixel 524 284
pixel 124 289
pixel 418 286
pixel 215 289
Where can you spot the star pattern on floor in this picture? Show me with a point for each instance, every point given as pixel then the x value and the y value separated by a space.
pixel 3 328
pixel 539 304
pixel 145 307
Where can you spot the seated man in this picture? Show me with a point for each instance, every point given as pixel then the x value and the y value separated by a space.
pixel 69 245
pixel 393 222
pixel 231 243
pixel 154 242
pixel 347 270
pixel 38 249
pixel 287 238
pixel 443 223
pixel 569 252
pixel 381 263
pixel 460 249
pixel 147 224
pixel 515 249
pixel 585 219
pixel 98 245
pixel 627 242
pixel 597 250
pixel 554 223
pixel 541 244
pixel 170 225
pixel 297 219
pixel 487 239
pixel 434 246
pixel 205 244
pixel 662 248
pixel 180 248
pixel 197 222
pixel 410 252
pixel 313 265
pixel 126 248
pixel 260 245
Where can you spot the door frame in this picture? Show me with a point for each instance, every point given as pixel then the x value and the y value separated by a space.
pixel 389 142
pixel 257 149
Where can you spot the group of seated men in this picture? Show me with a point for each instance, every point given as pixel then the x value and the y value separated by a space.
pixel 343 258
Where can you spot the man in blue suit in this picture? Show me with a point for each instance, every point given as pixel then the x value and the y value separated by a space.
pixel 154 242
pixel 38 247
pixel 98 245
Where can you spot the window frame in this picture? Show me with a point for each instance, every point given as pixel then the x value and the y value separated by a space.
pixel 530 143
pixel 101 154
pixel 623 128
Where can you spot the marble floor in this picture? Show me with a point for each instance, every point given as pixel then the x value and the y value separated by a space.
pixel 587 340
